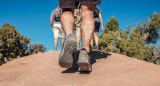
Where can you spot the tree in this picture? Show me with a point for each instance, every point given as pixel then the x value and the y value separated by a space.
pixel 136 41
pixel 117 41
pixel 35 48
pixel 109 40
pixel 1 62
pixel 135 46
pixel 150 29
pixel 111 25
pixel 157 55
pixel 12 43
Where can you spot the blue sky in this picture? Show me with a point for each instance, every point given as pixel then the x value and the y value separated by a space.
pixel 32 17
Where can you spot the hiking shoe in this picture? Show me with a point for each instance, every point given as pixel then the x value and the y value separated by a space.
pixel 84 61
pixel 66 55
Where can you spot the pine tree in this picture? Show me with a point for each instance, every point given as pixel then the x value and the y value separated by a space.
pixel 150 29
pixel 111 25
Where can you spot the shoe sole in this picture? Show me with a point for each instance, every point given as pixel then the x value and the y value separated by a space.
pixel 66 58
pixel 84 65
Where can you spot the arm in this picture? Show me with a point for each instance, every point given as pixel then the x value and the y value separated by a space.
pixel 51 22
pixel 100 16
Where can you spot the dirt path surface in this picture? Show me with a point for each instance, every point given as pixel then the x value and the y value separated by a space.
pixel 108 70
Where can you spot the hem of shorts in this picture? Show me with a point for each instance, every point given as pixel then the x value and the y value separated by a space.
pixel 97 30
pixel 89 2
pixel 61 37
pixel 68 6
pixel 98 22
pixel 77 28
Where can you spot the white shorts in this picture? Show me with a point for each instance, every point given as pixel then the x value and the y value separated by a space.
pixel 58 31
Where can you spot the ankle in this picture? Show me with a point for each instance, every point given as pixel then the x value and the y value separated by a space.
pixel 86 50
pixel 68 34
pixel 55 48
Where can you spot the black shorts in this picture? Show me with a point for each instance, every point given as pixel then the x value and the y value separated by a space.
pixel 74 3
pixel 97 25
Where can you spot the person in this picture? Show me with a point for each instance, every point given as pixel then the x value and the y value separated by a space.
pixel 98 21
pixel 77 16
pixel 87 28
pixel 57 27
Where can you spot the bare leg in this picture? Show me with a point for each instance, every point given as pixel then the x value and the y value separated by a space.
pixel 55 43
pixel 78 36
pixel 87 24
pixel 67 21
pixel 92 43
pixel 62 42
pixel 70 44
pixel 96 37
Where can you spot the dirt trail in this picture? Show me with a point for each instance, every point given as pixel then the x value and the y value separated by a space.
pixel 109 69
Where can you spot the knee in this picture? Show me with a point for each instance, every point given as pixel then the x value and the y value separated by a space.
pixel 61 44
pixel 96 37
pixel 62 41
pixel 85 13
pixel 95 34
pixel 56 41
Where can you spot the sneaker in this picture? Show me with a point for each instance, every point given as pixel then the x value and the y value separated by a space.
pixel 84 61
pixel 66 55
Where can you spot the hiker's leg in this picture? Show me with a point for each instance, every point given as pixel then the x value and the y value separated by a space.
pixel 55 43
pixel 67 20
pixel 56 34
pixel 96 38
pixel 78 36
pixel 92 43
pixel 87 27
pixel 62 42
pixel 96 30
pixel 87 24
pixel 70 44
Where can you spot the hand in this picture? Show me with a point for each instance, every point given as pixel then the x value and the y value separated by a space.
pixel 101 28
pixel 52 28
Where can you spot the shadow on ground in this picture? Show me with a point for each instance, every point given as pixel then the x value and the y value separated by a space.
pixel 94 56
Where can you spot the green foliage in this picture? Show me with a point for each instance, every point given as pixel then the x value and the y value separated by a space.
pixel 110 32
pixel 111 25
pixel 150 53
pixel 108 41
pixel 111 40
pixel 157 54
pixel 133 42
pixel 135 46
pixel 1 59
pixel 35 48
pixel 12 43
pixel 150 29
